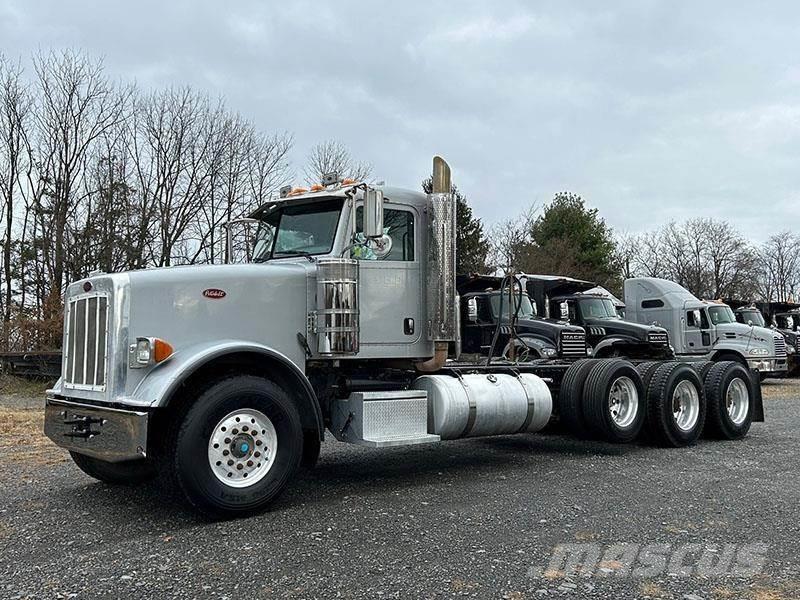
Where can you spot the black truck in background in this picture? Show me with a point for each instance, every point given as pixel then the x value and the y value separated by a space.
pixel 783 317
pixel 607 333
pixel 483 305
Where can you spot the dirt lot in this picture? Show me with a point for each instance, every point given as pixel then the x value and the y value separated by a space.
pixel 478 518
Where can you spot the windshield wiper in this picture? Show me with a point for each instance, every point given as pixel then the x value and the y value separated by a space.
pixel 294 252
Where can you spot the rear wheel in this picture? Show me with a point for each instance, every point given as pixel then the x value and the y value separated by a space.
pixel 676 405
pixel 730 393
pixel 703 367
pixel 236 447
pixel 570 396
pixel 646 370
pixel 128 472
pixel 613 401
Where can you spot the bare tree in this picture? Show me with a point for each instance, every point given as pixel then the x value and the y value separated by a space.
pixel 510 242
pixel 779 258
pixel 333 156
pixel 15 106
pixel 78 105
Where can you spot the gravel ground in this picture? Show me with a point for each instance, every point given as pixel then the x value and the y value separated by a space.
pixel 477 518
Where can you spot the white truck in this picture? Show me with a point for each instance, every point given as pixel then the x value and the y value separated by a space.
pixel 704 330
pixel 222 379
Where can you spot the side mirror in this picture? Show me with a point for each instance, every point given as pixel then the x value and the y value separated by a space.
pixel 472 310
pixel 750 322
pixel 373 213
pixel 698 319
pixel 564 307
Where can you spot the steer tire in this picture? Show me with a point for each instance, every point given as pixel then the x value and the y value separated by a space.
pixel 726 381
pixel 187 461
pixel 610 422
pixel 570 396
pixel 311 449
pixel 665 426
pixel 127 472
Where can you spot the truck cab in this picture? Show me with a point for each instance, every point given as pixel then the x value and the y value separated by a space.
pixel 702 329
pixel 484 305
pixel 607 333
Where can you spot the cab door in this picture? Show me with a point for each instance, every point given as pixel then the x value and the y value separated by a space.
pixel 697 339
pixel 390 288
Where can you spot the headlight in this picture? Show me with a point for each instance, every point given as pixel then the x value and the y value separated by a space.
pixel 549 351
pixel 790 350
pixel 759 351
pixel 148 351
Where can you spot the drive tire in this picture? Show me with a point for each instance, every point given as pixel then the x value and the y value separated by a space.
pixel 129 472
pixel 646 370
pixel 726 384
pixel 613 401
pixel 703 367
pixel 570 396
pixel 676 406
pixel 187 462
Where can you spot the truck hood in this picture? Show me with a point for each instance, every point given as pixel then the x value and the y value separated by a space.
pixel 548 328
pixel 745 332
pixel 626 328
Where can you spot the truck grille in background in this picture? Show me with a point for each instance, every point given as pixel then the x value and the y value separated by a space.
pixel 658 338
pixel 797 343
pixel 573 343
pixel 85 346
pixel 780 346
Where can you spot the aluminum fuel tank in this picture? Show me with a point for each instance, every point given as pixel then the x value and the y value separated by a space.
pixel 485 404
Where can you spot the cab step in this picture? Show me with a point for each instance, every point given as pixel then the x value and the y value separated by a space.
pixel 382 419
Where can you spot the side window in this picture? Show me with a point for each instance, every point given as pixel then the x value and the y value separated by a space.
pixel 399 226
pixel 690 318
pixel 652 303
pixel 703 320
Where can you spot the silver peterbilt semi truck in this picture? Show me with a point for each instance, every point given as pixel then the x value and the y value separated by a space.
pixel 222 380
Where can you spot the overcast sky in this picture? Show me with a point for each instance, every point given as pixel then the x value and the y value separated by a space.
pixel 650 110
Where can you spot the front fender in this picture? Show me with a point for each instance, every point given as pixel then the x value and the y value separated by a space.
pixel 535 343
pixel 611 341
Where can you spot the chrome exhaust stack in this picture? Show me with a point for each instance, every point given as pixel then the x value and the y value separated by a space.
pixel 443 311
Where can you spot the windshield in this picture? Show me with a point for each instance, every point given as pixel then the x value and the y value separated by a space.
pixel 787 321
pixel 720 315
pixel 298 229
pixel 598 308
pixel 754 316
pixel 526 310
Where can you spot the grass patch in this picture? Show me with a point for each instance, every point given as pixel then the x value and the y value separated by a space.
pixel 19 386
pixel 22 440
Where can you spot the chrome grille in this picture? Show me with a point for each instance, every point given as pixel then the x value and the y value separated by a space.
pixel 573 343
pixel 780 346
pixel 85 360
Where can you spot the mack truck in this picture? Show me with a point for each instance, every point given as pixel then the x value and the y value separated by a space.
pixel 607 333
pixel 502 321
pixel 222 380
pixel 702 329
pixel 783 317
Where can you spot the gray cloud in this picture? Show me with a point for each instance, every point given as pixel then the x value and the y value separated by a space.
pixel 651 110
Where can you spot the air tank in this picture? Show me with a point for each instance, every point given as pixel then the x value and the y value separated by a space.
pixel 485 404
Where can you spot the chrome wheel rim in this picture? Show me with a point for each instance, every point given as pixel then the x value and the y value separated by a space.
pixel 685 405
pixel 623 402
pixel 242 448
pixel 737 401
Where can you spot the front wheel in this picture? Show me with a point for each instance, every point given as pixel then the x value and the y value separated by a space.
pixel 127 472
pixel 236 447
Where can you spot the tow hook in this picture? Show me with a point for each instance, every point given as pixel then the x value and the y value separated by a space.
pixel 82 426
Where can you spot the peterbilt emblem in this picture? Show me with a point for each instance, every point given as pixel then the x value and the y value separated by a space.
pixel 214 293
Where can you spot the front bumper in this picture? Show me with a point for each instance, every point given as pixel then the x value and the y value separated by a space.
pixel 768 365
pixel 109 434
